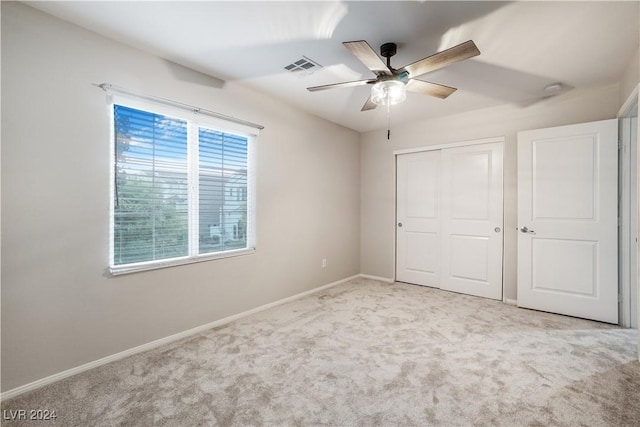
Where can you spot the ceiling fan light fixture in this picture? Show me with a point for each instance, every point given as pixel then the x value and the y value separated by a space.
pixel 388 92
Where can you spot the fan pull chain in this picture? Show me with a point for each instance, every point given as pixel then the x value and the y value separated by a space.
pixel 388 121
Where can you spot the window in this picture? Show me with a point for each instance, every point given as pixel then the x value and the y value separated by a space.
pixel 179 190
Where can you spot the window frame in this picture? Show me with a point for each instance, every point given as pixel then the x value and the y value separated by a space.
pixel 195 121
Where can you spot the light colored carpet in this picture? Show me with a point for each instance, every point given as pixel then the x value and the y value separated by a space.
pixel 368 353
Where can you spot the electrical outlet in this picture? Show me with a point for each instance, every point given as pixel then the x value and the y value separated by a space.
pixel 324 263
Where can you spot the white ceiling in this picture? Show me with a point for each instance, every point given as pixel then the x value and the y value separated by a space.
pixel 524 46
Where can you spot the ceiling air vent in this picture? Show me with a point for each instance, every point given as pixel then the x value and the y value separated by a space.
pixel 303 67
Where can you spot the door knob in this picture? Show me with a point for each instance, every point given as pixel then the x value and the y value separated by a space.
pixel 399 224
pixel 526 230
pixel 497 229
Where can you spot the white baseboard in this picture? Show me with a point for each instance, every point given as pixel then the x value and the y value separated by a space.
pixel 378 278
pixel 157 343
pixel 510 301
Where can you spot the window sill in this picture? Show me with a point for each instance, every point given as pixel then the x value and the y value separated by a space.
pixel 155 265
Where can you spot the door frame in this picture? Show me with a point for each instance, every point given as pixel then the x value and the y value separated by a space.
pixel 395 153
pixel 627 186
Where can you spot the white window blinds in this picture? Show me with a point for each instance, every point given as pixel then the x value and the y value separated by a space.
pixel 151 218
pixel 183 190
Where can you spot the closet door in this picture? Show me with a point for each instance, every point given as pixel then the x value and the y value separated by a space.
pixel 418 218
pixel 449 219
pixel 472 220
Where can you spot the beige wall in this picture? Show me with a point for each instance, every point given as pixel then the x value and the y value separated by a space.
pixel 59 307
pixel 377 165
pixel 630 78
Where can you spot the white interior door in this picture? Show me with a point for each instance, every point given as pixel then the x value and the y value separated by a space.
pixel 418 216
pixel 567 216
pixel 472 220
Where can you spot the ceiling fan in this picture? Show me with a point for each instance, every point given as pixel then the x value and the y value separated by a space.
pixel 390 83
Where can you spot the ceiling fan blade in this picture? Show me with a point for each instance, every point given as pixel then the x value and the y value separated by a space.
pixel 369 105
pixel 344 84
pixel 439 60
pixel 428 88
pixel 363 51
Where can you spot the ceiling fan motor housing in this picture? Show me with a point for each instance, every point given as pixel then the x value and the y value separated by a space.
pixel 387 50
